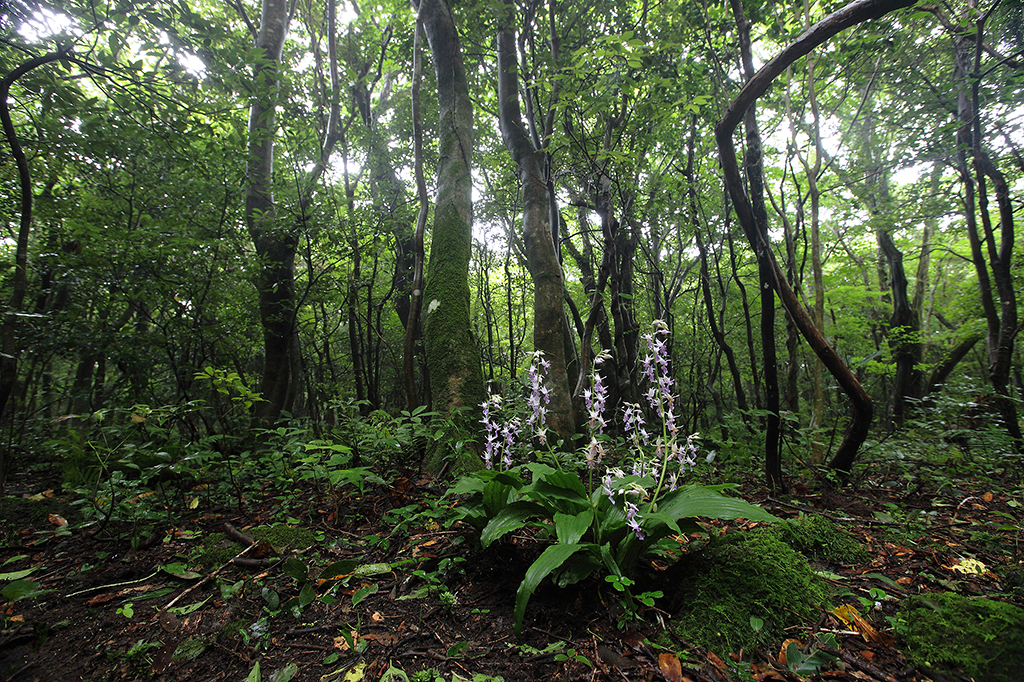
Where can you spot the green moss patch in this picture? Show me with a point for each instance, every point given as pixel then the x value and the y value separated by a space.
pixel 742 580
pixel 818 538
pixel 218 549
pixel 983 638
pixel 17 514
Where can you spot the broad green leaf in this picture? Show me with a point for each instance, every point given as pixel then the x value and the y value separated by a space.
pixel 570 528
pixel 372 569
pixel 295 569
pixel 362 593
pixel 692 501
pixel 254 674
pixel 550 559
pixel 185 610
pixel 339 569
pixel 16 575
pixel 19 589
pixel 307 594
pixel 577 568
pixel 512 517
pixel 609 560
pixel 284 674
pixel 496 496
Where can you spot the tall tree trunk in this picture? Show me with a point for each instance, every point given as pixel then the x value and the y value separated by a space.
pixel 820 32
pixel 456 378
pixel 275 247
pixel 705 276
pixel 412 325
pixel 9 342
pixel 1002 324
pixel 902 332
pixel 757 233
pixel 541 255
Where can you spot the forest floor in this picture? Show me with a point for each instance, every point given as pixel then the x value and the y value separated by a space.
pixel 417 601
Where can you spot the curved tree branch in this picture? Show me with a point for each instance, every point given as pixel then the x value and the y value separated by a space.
pixel 850 15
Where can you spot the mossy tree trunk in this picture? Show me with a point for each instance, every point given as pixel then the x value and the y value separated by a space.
pixel 453 360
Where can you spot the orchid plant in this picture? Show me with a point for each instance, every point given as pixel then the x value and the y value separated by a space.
pixel 619 515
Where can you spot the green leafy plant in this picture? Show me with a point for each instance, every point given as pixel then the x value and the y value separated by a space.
pixel 608 528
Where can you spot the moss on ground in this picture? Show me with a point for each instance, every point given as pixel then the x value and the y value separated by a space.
pixel 18 514
pixel 818 538
pixel 983 638
pixel 218 549
pixel 740 576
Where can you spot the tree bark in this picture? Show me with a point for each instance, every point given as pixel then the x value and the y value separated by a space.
pixel 757 234
pixel 850 15
pixel 456 378
pixel 416 296
pixel 275 248
pixel 1002 323
pixel 541 255
pixel 9 342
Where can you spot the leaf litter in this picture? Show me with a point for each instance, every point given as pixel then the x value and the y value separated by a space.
pixel 357 625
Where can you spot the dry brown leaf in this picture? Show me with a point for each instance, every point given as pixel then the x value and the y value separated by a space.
pixel 718 663
pixel 341 643
pixel 870 655
pixel 101 598
pixel 987 497
pixel 376 617
pixel 58 520
pixel 384 638
pixel 670 667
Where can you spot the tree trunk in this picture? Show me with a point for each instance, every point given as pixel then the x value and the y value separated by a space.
pixel 275 248
pixel 757 233
pixel 456 378
pixel 1002 324
pixel 820 32
pixel 412 325
pixel 541 255
pixel 9 342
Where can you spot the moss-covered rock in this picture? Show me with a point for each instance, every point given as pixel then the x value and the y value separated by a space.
pixel 982 638
pixel 218 549
pixel 818 538
pixel 740 576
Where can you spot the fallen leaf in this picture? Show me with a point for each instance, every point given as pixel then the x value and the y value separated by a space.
pixel 17 619
pixel 783 659
pixel 384 638
pixel 376 617
pixel 341 643
pixel 670 667
pixel 718 663
pixel 58 520
pixel 870 655
pixel 987 497
pixel 849 615
pixel 101 598
pixel 970 567
pixel 356 673
pixel 614 658
pixel 168 621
